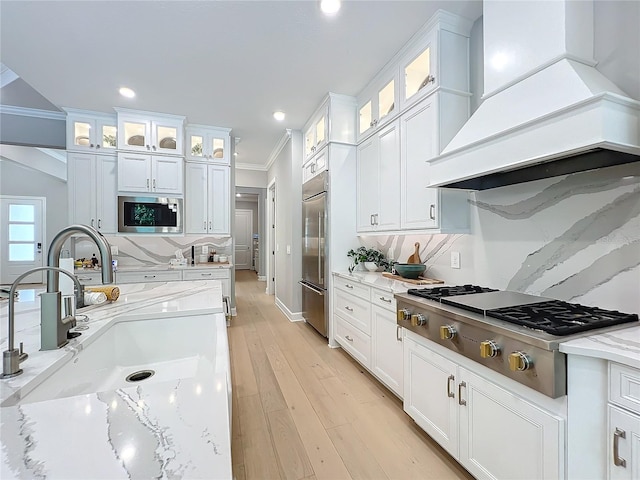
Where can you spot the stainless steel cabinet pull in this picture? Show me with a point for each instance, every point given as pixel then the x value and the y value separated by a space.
pixel 432 212
pixel 371 220
pixel 148 147
pixel 92 222
pixel 460 400
pixel 450 380
pixel 348 338
pixel 98 145
pixel 91 145
pixel 149 276
pixel 617 460
pixel 205 274
pixel 147 183
pixel 154 183
pixel 398 333
pixel 376 220
pixel 385 300
pixel 210 228
pixel 204 225
pixel 349 286
pixel 99 223
pixel 154 147
pixel 348 309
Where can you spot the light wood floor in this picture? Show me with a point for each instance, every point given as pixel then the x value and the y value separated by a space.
pixel 304 410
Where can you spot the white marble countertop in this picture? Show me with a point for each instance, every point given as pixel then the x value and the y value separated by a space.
pixel 621 346
pixel 167 429
pixel 160 268
pixel 375 279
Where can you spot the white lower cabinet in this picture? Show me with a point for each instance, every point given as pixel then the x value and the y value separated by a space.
pixel 207 201
pixel 89 278
pixel 93 191
pixel 623 442
pixel 493 432
pixel 222 274
pixel 365 326
pixel 148 276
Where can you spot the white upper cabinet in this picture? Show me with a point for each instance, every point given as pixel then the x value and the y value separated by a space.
pixel 210 144
pixel 208 202
pixel 333 121
pixel 91 131
pixel 150 173
pixel 150 132
pixel 378 104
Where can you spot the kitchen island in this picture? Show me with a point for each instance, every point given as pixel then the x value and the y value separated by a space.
pixel 174 428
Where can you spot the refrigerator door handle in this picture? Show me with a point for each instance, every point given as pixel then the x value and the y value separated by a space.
pixel 320 252
pixel 316 290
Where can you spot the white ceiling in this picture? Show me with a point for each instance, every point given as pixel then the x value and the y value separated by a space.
pixel 224 63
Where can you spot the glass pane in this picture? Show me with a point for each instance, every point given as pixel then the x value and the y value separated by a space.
pixel 81 133
pixel 21 233
pixel 320 131
pixel 167 137
pixel 386 99
pixel 416 74
pixel 308 141
pixel 109 136
pixel 21 252
pixel 134 134
pixel 218 148
pixel 196 145
pixel 365 117
pixel 22 213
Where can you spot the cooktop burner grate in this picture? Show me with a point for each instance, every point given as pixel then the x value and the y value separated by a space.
pixel 561 318
pixel 438 292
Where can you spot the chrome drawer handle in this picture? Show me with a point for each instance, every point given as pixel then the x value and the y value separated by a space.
pixel 385 300
pixel 618 461
pixel 460 400
pixel 450 379
pixel 348 308
pixel 348 286
pixel 398 333
pixel 149 276
pixel 348 338
pixel 205 274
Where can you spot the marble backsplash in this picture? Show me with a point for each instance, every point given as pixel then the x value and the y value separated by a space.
pixel 574 238
pixel 148 250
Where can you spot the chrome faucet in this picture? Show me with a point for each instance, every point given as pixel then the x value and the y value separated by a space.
pixel 12 357
pixel 53 331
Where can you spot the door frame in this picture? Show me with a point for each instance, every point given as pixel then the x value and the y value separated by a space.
pixel 271 237
pixel 250 244
pixel 37 277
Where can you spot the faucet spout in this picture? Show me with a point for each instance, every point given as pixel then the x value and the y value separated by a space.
pixel 53 257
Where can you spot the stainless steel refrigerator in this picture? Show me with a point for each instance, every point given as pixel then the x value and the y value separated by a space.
pixel 315 305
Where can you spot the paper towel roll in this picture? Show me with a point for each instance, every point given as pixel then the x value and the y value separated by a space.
pixel 94 298
pixel 66 284
pixel 110 291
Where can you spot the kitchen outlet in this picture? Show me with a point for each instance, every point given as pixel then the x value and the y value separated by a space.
pixel 205 249
pixel 288 249
pixel 455 259
pixel 114 249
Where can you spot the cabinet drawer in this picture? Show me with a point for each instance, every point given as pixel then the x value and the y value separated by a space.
pixel 356 343
pixel 217 274
pixel 353 287
pixel 147 277
pixel 356 310
pixel 624 386
pixel 383 299
pixel 89 278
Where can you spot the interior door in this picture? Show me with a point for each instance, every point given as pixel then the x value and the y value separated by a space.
pixel 242 234
pixel 21 238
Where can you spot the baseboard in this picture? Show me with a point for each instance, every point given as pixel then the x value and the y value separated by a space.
pixel 262 278
pixel 234 312
pixel 293 317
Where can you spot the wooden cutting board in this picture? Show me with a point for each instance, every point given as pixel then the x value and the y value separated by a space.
pixel 417 281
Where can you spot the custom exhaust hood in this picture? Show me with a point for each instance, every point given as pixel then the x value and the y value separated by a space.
pixel 546 111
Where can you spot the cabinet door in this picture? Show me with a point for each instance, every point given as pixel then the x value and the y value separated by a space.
pixel 106 136
pixel 309 141
pixel 196 143
pixel 167 175
pixel 219 203
pixel 106 193
pixel 430 394
pixel 365 118
pixel 419 137
pixel 197 199
pixel 134 134
pixel 81 134
pixel 166 137
pixel 81 180
pixel 624 431
pixel 387 100
pixel 389 178
pixel 418 70
pixel 134 172
pixel 217 147
pixel 387 358
pixel 504 436
pixel 367 184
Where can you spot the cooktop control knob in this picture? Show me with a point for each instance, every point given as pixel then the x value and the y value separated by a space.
pixel 489 348
pixel 519 362
pixel 447 332
pixel 418 319
pixel 403 314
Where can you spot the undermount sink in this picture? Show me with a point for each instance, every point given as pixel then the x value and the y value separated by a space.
pixel 171 348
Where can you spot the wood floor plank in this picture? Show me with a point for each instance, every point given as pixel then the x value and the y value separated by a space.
pixel 245 377
pixel 292 457
pixel 359 460
pixel 259 455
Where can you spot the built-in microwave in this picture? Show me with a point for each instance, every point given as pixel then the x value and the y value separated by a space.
pixel 149 215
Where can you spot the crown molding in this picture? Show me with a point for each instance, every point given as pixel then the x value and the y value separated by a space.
pixel 32 112
pixel 278 148
pixel 251 166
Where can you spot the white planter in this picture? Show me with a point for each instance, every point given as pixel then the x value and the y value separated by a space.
pixel 371 266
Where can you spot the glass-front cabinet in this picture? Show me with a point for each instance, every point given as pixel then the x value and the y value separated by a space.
pixel 91 131
pixel 378 104
pixel 418 71
pixel 208 144
pixel 315 135
pixel 150 132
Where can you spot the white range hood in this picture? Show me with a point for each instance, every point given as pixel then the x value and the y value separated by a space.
pixel 546 110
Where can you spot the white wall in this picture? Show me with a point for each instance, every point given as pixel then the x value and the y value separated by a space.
pixel 287 170
pixel 251 178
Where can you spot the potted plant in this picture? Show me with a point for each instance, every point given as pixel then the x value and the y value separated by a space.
pixel 370 257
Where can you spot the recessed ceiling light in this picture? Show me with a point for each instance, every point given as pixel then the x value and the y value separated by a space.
pixel 329 7
pixel 279 116
pixel 127 92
